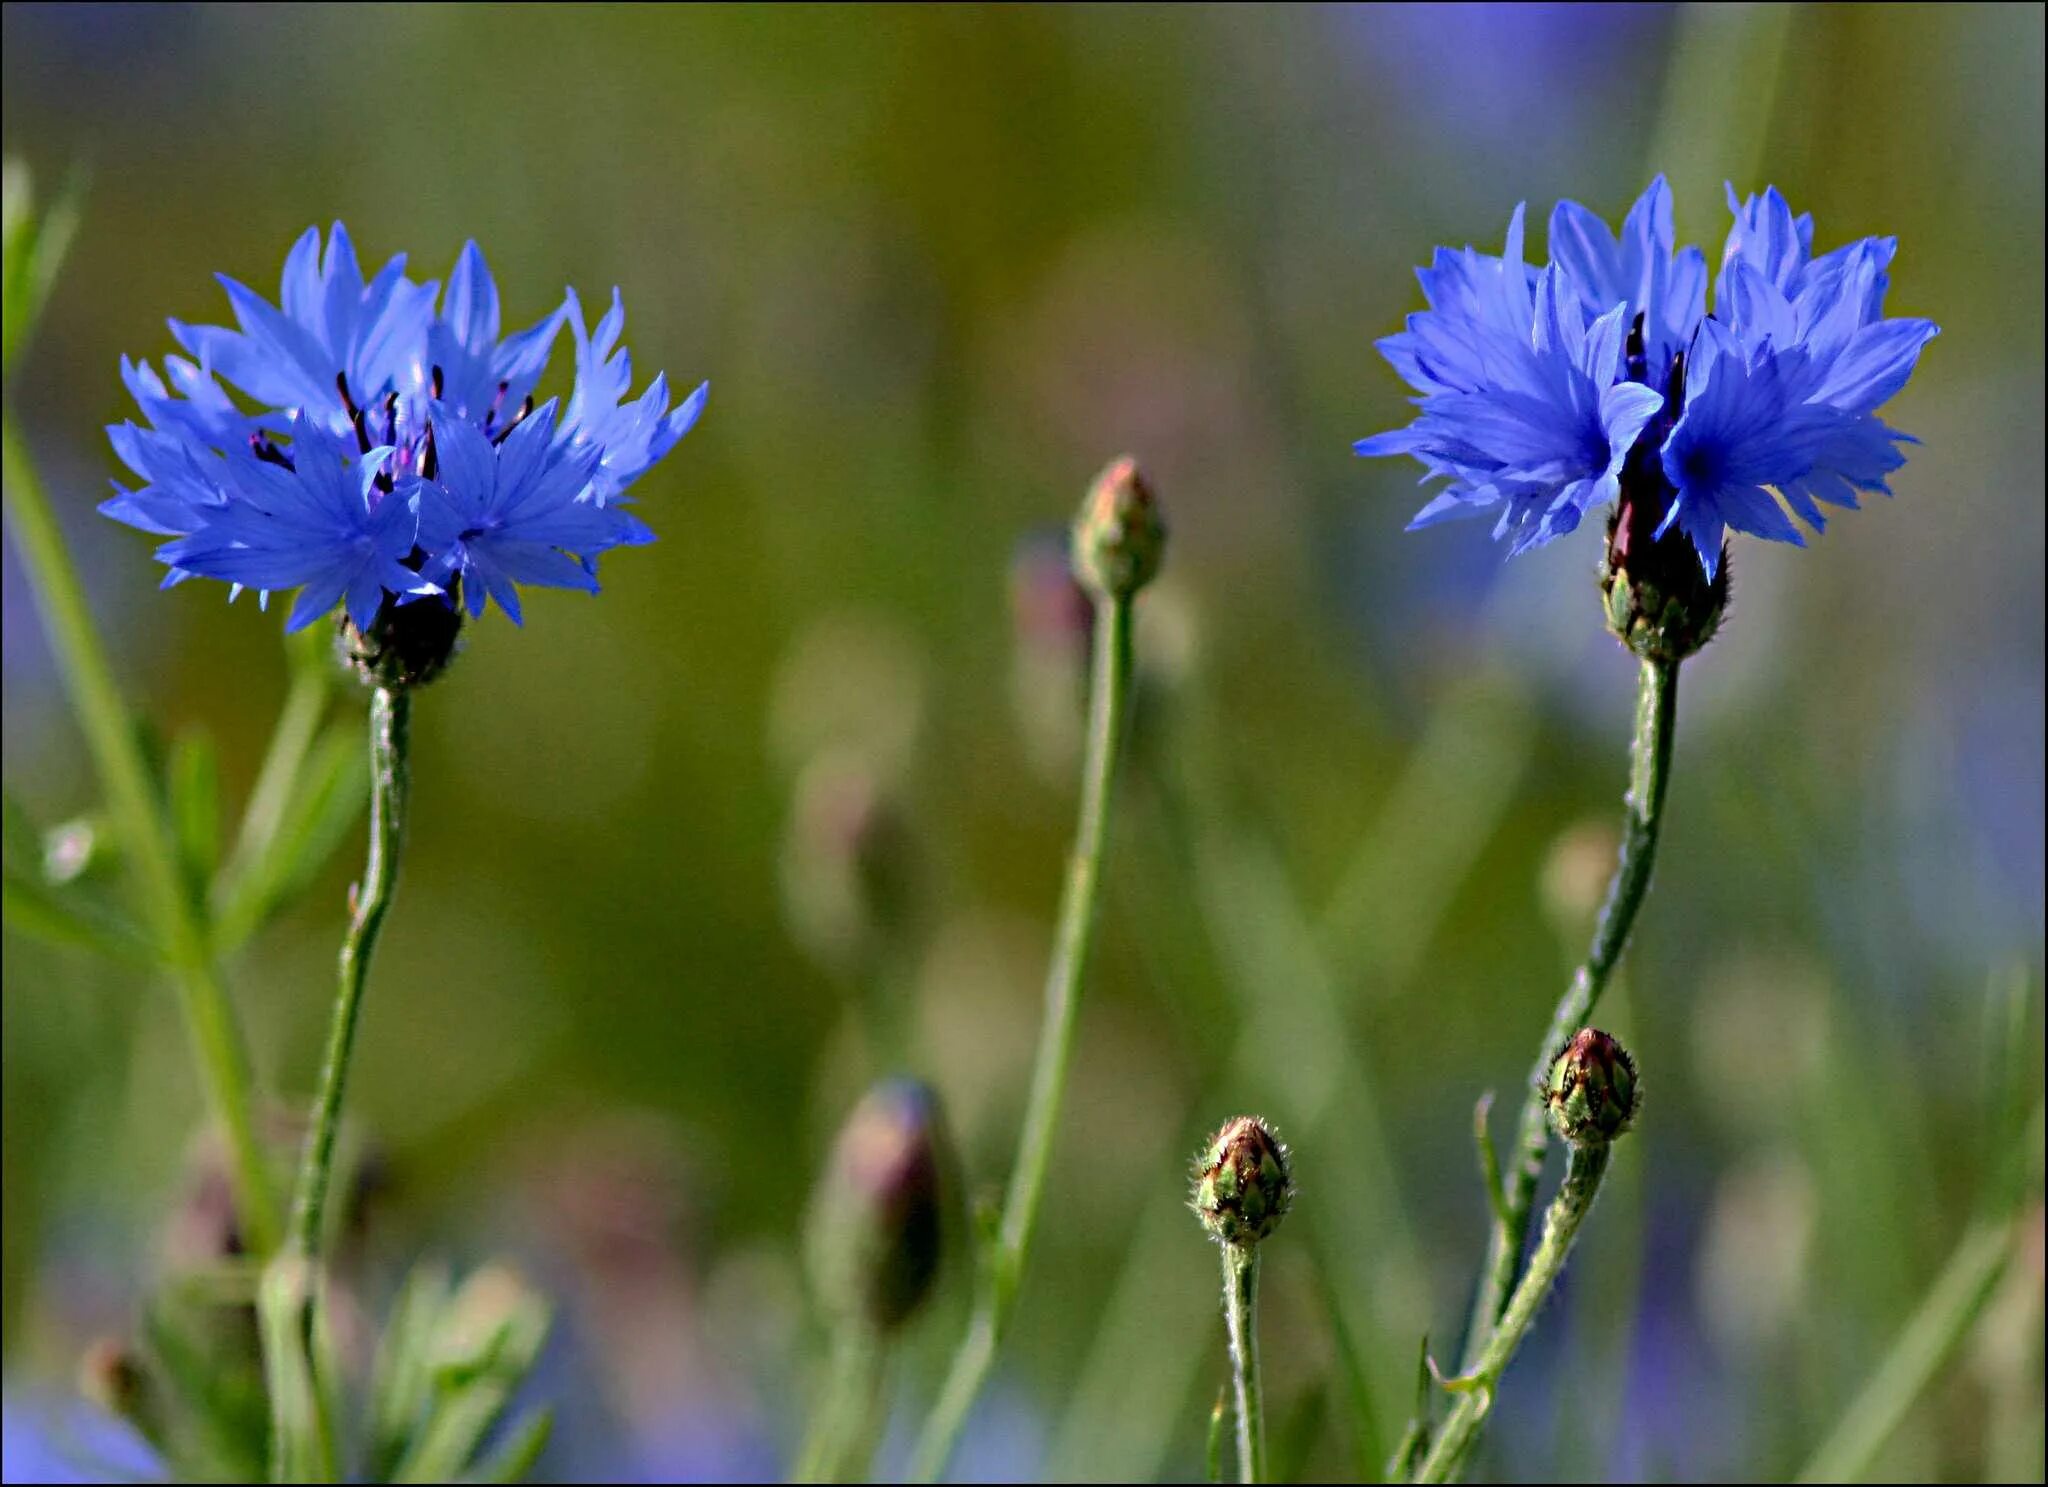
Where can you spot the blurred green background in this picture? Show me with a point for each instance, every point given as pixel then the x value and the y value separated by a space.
pixel 939 265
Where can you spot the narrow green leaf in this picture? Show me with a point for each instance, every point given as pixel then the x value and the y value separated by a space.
pixel 1916 1357
pixel 524 1442
pixel 32 249
pixel 218 1422
pixel 489 1338
pixel 192 791
pixel 1219 1426
pixel 401 1380
pixel 1358 1411
pixel 74 920
pixel 1414 1443
pixel 330 796
pixel 1297 1435
pixel 20 840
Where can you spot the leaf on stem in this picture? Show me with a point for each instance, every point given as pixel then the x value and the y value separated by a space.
pixel 328 799
pixel 192 793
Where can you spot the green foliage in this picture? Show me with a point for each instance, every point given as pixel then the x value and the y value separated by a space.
pixel 32 249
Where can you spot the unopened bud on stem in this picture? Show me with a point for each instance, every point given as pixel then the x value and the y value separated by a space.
pixel 1119 536
pixel 1659 601
pixel 1592 1091
pixel 1243 1186
pixel 877 1223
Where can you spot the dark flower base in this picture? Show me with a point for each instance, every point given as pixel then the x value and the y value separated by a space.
pixel 1659 601
pixel 407 645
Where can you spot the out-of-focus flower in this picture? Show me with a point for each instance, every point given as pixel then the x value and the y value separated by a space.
pixel 1546 392
pixel 416 459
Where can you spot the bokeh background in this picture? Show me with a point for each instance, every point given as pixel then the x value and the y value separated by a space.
pixel 940 264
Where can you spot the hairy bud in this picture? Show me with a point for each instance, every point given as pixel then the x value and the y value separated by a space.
pixel 1243 1186
pixel 1592 1091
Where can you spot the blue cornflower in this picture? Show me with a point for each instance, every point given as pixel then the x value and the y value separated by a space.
pixel 515 512
pixel 411 391
pixel 317 519
pixel 1702 422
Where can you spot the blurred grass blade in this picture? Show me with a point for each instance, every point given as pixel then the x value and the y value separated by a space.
pixel 1296 1438
pixel 134 802
pixel 515 1459
pixel 1219 1420
pixel 1414 1443
pixel 192 792
pixel 219 1422
pixel 32 249
pixel 330 795
pixel 489 1338
pixel 59 912
pixel 401 1381
pixel 74 921
pixel 284 761
pixel 1958 1295
pixel 1360 1415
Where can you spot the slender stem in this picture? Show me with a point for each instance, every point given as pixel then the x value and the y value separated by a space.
pixel 1460 1431
pixel 1649 775
pixel 171 908
pixel 390 730
pixel 1241 1316
pixel 1109 705
pixel 840 1438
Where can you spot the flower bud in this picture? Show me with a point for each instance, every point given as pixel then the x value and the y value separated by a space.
pixel 877 1222
pixel 1243 1187
pixel 1118 537
pixel 1659 601
pixel 407 645
pixel 847 863
pixel 1592 1091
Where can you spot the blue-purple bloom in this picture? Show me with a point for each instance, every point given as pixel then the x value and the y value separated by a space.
pixel 1546 392
pixel 386 445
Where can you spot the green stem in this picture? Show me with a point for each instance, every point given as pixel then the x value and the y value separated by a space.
pixel 1453 1443
pixel 840 1439
pixel 131 797
pixel 1109 706
pixel 1241 1316
pixel 1649 775
pixel 390 730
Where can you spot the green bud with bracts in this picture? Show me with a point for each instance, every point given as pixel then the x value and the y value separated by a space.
pixel 1659 601
pixel 1243 1186
pixel 877 1223
pixel 1592 1090
pixel 1119 537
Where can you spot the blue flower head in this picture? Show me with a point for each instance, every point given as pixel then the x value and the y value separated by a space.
pixel 1601 376
pixel 385 449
